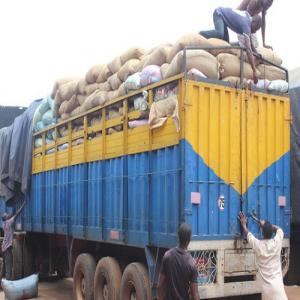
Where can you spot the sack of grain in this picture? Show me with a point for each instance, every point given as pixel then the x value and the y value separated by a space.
pixel 129 68
pixel 65 116
pixel 220 43
pixel 133 82
pixel 235 80
pixel 81 86
pixel 95 99
pixel 112 95
pixel 69 89
pixel 93 73
pixel 158 57
pixel 150 74
pixel 164 69
pixel 115 65
pixel 195 74
pixel 198 59
pixel 58 100
pixel 131 53
pixel 63 108
pixel 122 90
pixel 280 86
pixel 187 40
pixel 271 73
pixel 229 65
pixel 91 88
pixel 114 81
pixel 48 118
pixel 270 55
pixel 76 111
pixel 60 82
pixel 71 104
pixel 81 98
pixel 104 74
pixel 105 86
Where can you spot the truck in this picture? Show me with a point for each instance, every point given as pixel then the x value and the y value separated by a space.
pixel 105 210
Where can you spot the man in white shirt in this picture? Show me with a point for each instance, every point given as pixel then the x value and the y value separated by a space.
pixel 268 252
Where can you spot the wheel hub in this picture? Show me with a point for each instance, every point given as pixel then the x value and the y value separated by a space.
pixel 105 292
pixel 82 287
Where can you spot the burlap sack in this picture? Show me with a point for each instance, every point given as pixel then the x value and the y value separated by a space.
pixel 104 74
pixel 65 116
pixel 71 104
pixel 77 111
pixel 235 80
pixel 81 98
pixel 114 81
pixel 95 99
pixel 67 90
pixel 198 59
pixel 60 82
pixel 229 65
pixel 91 88
pixel 163 69
pixel 93 73
pixel 187 40
pixel 58 100
pixel 220 43
pixel 88 104
pixel 81 86
pixel 112 95
pixel 271 73
pixel 168 45
pixel 63 108
pixel 158 57
pixel 115 65
pixel 132 53
pixel 122 90
pixel 161 110
pixel 105 86
pixel 130 67
pixel 270 55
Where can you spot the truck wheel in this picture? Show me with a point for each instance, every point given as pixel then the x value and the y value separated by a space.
pixel 107 279
pixel 83 277
pixel 17 268
pixel 27 258
pixel 135 283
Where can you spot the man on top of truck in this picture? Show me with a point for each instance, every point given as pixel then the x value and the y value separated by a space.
pixel 255 7
pixel 7 243
pixel 241 23
pixel 178 275
pixel 268 257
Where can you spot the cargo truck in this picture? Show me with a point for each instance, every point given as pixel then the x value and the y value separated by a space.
pixel 105 210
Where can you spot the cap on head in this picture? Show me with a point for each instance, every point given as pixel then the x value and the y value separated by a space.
pixel 4 216
pixel 184 235
pixel 267 230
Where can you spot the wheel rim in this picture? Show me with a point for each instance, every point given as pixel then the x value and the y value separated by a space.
pixel 132 292
pixel 82 287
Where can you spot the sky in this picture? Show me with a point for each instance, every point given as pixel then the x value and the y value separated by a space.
pixel 42 40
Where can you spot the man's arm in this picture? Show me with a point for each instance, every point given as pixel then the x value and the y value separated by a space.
pixel 243 221
pixel 19 210
pixel 243 5
pixel 263 29
pixel 250 57
pixel 194 291
pixel 161 287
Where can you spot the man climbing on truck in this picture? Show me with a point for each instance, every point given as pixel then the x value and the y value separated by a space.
pixel 268 257
pixel 255 7
pixel 7 243
pixel 241 23
pixel 178 275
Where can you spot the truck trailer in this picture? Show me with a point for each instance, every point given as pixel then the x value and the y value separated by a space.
pixel 106 210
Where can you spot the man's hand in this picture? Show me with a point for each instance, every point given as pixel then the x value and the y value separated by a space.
pixel 261 223
pixel 255 76
pixel 268 47
pixel 243 219
pixel 161 287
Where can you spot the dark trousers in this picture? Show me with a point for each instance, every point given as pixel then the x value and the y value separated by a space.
pixel 8 263
pixel 221 29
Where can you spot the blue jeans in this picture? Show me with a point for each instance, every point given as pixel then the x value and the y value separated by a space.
pixel 221 29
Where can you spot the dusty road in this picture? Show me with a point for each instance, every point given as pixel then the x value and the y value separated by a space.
pixel 55 289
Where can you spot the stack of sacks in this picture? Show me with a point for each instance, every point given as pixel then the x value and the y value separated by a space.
pixel 44 118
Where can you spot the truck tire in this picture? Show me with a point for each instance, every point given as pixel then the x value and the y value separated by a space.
pixel 17 268
pixel 28 268
pixel 135 283
pixel 107 280
pixel 83 277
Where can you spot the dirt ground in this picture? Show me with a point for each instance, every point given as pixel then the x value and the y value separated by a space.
pixel 53 288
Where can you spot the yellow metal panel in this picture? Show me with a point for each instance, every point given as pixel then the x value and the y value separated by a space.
pixel 62 158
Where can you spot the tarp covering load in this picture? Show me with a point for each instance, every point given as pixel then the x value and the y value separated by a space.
pixel 16 153
pixel 295 155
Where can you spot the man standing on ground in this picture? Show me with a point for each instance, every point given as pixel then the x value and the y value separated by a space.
pixel 178 275
pixel 241 23
pixel 7 242
pixel 268 258
pixel 255 7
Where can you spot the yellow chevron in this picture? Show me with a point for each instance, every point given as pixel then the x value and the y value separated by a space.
pixel 238 134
